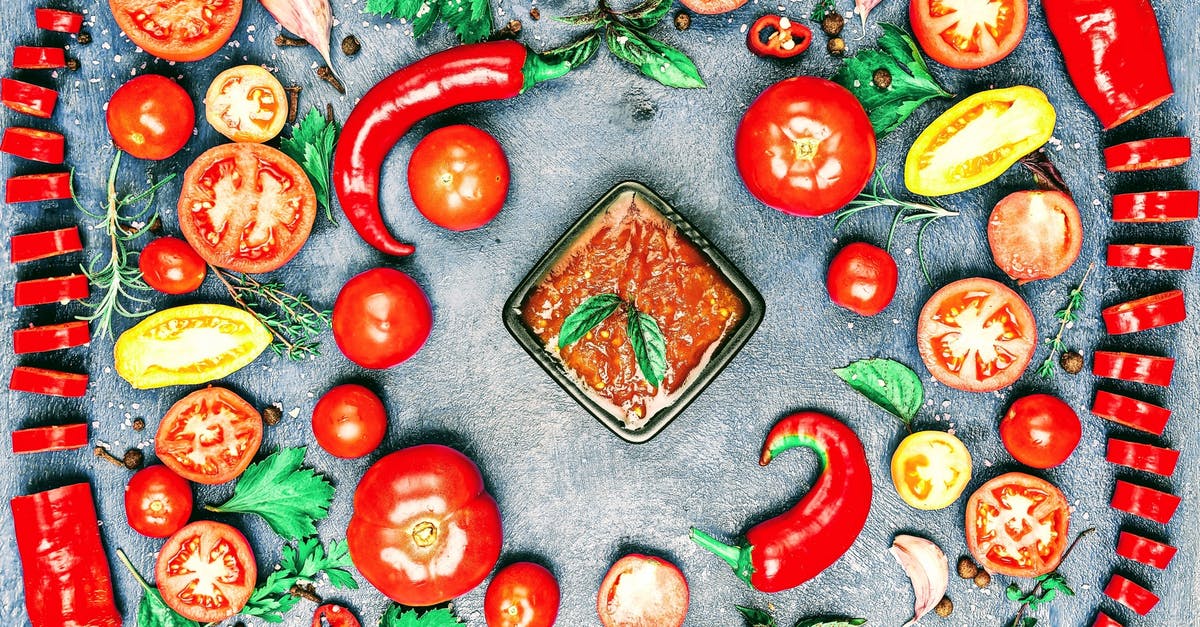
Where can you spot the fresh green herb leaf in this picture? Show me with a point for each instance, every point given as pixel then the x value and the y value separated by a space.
pixel 302 563
pixel 551 64
pixel 653 57
pixel 289 498
pixel 645 15
pixel 311 145
pixel 826 621
pixel 1029 622
pixel 586 316
pixel 152 610
pixel 294 322
pixel 911 84
pixel 471 20
pixel 756 617
pixel 887 383
pixel 823 8
pixel 649 346
pixel 1013 592
pixel 273 598
pixel 397 616
pixel 591 18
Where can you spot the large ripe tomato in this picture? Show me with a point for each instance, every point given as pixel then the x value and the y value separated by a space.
pixel 930 469
pixel 158 502
pixel 150 117
pixel 862 278
pixel 1035 234
pixel 349 421
pixel 246 103
pixel 424 530
pixel 209 436
pixel 246 207
pixel 1017 525
pixel 381 318
pixel 171 266
pixel 523 594
pixel 968 34
pixel 206 571
pixel 1040 430
pixel 458 177
pixel 805 146
pixel 177 30
pixel 641 590
pixel 976 335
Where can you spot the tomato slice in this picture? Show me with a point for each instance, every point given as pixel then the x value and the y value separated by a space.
pixel 44 244
pixel 1131 412
pixel 246 207
pixel 1135 368
pixel 1148 154
pixel 1150 256
pixel 39 58
pixel 1145 502
pixel 1017 525
pixel 333 615
pixel 246 104
pixel 1130 594
pixel 1144 457
pixel 38 187
pixel 1035 234
pixel 1168 206
pixel 968 35
pixel 61 290
pixel 48 382
pixel 1142 314
pixel 34 144
pixel 641 590
pixel 209 436
pixel 206 571
pixel 51 337
pixel 1144 550
pixel 976 335
pixel 54 438
pixel 977 140
pixel 930 469
pixel 28 98
pixel 58 20
pixel 177 30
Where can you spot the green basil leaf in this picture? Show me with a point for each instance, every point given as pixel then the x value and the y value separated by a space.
pixel 827 621
pixel 1013 592
pixel 646 14
pixel 595 16
pixel 153 612
pixel 756 617
pixel 586 316
pixel 653 57
pixel 649 347
pixel 887 383
pixel 573 54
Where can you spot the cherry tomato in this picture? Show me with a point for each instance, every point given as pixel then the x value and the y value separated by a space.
pixel 1040 430
pixel 210 436
pixel 349 421
pixel 968 35
pixel 458 177
pixel 179 30
pixel 805 147
pixel 171 266
pixel 206 571
pixel 1017 525
pixel 523 594
pixel 246 104
pixel 862 278
pixel 381 318
pixel 1035 234
pixel 930 469
pixel 150 117
pixel 642 590
pixel 158 502
pixel 332 615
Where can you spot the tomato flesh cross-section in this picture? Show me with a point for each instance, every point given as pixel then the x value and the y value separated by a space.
pixel 1016 525
pixel 206 571
pixel 210 436
pixel 968 34
pixel 177 30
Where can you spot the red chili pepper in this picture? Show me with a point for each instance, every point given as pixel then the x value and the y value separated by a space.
pixel 38 58
pixel 779 37
pixel 28 98
pixel 1114 54
pixel 34 246
pixel 55 438
pixel 790 549
pixel 58 20
pixel 67 579
pixel 1135 368
pixel 51 337
pixel 1148 154
pixel 1131 412
pixel 1130 594
pixel 1144 550
pixel 1145 502
pixel 1144 457
pixel 35 145
pixel 38 187
pixel 1170 206
pixel 48 382
pixel 1103 620
pixel 63 290
pixel 1149 312
pixel 1150 256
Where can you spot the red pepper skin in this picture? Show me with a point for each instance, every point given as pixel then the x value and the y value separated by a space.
pixel 1130 594
pixel 28 98
pixel 38 187
pixel 35 145
pixel 1114 54
pixel 1134 368
pixel 1131 412
pixel 1149 312
pixel 1148 154
pixel 58 20
pixel 61 289
pixel 39 58
pixel 67 579
pixel 784 38
pixel 45 244
pixel 1144 550
pixel 1144 457
pixel 1145 502
pixel 51 337
pixel 1103 620
pixel 48 382
pixel 792 548
pixel 1150 256
pixel 1169 206
pixel 55 438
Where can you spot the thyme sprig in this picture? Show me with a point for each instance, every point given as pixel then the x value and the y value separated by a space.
pixel 291 317
pixel 1065 316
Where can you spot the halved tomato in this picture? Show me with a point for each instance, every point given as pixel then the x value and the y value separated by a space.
pixel 206 571
pixel 246 207
pixel 976 140
pixel 976 335
pixel 1017 525
pixel 930 469
pixel 968 34
pixel 177 30
pixel 1035 234
pixel 641 590
pixel 246 104
pixel 209 436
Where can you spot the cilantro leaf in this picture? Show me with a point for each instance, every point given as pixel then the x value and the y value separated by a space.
pixel 311 146
pixel 911 84
pixel 397 616
pixel 653 57
pixel 299 564
pixel 272 599
pixel 471 20
pixel 289 498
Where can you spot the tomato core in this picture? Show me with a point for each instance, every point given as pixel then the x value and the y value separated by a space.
pixel 425 534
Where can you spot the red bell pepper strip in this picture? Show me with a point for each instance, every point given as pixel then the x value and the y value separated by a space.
pixel 63 289
pixel 1144 550
pixel 35 145
pixel 48 382
pixel 1144 457
pixel 55 438
pixel 51 337
pixel 1150 256
pixel 38 58
pixel 1130 594
pixel 58 20
pixel 1103 620
pixel 1169 206
pixel 1131 412
pixel 44 244
pixel 1145 502
pixel 67 579
pixel 779 37
pixel 1149 312
pixel 790 549
pixel 27 98
pixel 1148 154
pixel 1135 368
pixel 38 187
pixel 1114 54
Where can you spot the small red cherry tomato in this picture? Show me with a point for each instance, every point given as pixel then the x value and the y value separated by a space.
pixel 158 502
pixel 150 117
pixel 171 266
pixel 381 318
pixel 349 421
pixel 458 177
pixel 1130 594
pixel 1040 430
pixel 779 37
pixel 1130 412
pixel 333 615
pixel 1143 457
pixel 862 278
pixel 1149 369
pixel 34 145
pixel 1145 502
pixel 1150 256
pixel 38 187
pixel 1148 154
pixel 1149 312
pixel 44 244
pixel 1170 206
pixel 1144 550
pixel 27 98
pixel 523 594
pixel 39 58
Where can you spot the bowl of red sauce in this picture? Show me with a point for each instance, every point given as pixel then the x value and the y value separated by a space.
pixel 633 312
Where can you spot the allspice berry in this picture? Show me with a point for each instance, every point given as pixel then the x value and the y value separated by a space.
pixel 833 23
pixel 967 568
pixel 350 45
pixel 133 459
pixel 983 579
pixel 1071 361
pixel 836 46
pixel 944 608
pixel 138 424
pixel 272 415
pixel 882 78
pixel 683 21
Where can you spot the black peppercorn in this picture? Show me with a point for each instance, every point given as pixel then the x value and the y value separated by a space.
pixel 967 568
pixel 882 78
pixel 944 607
pixel 84 38
pixel 983 579
pixel 272 415
pixel 350 45
pixel 833 23
pixel 138 424
pixel 133 459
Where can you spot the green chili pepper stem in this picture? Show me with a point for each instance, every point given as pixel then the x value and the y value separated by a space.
pixel 779 444
pixel 738 557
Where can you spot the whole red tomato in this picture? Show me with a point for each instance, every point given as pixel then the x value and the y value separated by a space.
pixel 150 117
pixel 1040 430
pixel 381 318
pixel 862 278
pixel 424 530
pixel 349 421
pixel 158 502
pixel 171 266
pixel 523 594
pixel 458 177
pixel 805 147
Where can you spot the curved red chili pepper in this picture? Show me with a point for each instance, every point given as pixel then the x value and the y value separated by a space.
pixel 790 549
pixel 777 36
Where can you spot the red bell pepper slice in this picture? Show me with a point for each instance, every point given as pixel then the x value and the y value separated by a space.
pixel 1150 256
pixel 51 337
pixel 28 98
pixel 35 145
pixel 1145 502
pixel 1148 154
pixel 44 244
pixel 39 58
pixel 38 187
pixel 1149 369
pixel 58 20
pixel 1130 594
pixel 779 37
pixel 1103 620
pixel 1170 206
pixel 63 290
pixel 67 579
pixel 1149 312
pixel 1144 457
pixel 1131 412
pixel 55 438
pixel 1134 547
pixel 48 382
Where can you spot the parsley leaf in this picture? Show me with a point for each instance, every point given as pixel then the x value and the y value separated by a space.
pixel 471 20
pixel 299 564
pixel 911 84
pixel 397 616
pixel 289 498
pixel 311 145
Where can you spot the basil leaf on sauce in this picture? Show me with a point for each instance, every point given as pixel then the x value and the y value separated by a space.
pixel 648 346
pixel 889 384
pixel 586 316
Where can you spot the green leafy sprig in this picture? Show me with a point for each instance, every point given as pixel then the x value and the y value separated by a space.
pixel 887 383
pixel 300 565
pixel 891 82
pixel 1065 316
pixel 646 339
pixel 311 145
pixel 397 616
pixel 1048 587
pixel 471 20
pixel 759 618
pixel 291 318
pixel 290 498
pixel 823 8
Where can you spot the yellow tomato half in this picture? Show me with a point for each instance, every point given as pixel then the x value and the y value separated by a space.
pixel 931 469
pixel 246 104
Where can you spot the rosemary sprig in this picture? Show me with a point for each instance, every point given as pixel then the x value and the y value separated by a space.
pixel 291 318
pixel 1047 588
pixel 119 279
pixel 1065 316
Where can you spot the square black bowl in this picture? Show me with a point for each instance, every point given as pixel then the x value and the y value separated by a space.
pixel 728 346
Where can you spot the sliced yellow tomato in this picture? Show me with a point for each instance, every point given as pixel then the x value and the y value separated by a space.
pixel 246 104
pixel 188 345
pixel 977 140
pixel 931 469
